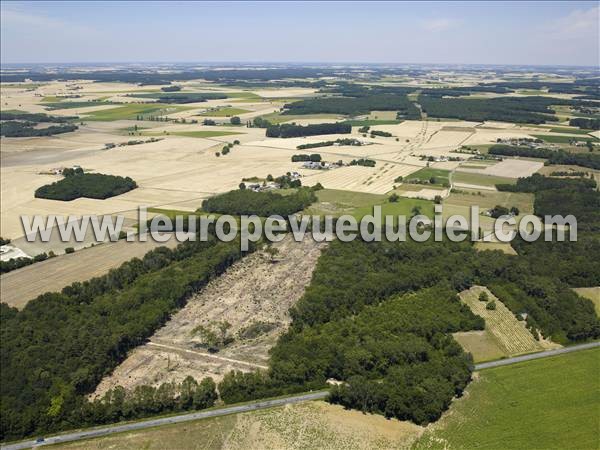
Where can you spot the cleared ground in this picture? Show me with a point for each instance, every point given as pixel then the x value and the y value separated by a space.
pixel 550 403
pixel 251 291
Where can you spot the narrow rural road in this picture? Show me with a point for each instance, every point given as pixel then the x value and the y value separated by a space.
pixel 104 431
pixel 547 353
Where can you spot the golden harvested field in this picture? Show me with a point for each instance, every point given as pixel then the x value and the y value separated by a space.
pixel 181 169
pixel 308 425
pixel 20 286
pixel 252 290
pixel 592 293
pixel 508 333
pixel 509 168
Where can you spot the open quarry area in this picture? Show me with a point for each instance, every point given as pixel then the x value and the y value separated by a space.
pixel 414 341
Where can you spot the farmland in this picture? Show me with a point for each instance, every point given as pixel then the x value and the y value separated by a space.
pixel 550 403
pixel 503 336
pixel 379 320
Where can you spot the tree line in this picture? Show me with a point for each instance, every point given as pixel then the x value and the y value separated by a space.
pixel 590 160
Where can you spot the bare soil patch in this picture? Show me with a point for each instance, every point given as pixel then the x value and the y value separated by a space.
pixel 253 290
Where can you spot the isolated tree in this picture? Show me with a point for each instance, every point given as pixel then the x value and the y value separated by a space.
pixel 271 251
pixel 483 297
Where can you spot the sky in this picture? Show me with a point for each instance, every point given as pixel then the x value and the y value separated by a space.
pixel 528 33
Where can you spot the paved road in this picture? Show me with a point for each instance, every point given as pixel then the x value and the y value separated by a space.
pixel 167 420
pixel 104 431
pixel 546 354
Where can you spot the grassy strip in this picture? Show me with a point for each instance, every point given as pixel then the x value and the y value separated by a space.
pixel 547 403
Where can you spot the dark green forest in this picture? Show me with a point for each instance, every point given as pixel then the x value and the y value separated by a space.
pixel 181 97
pixel 263 204
pixel 286 130
pixel 57 349
pixel 26 129
pixel 355 106
pixel 89 185
pixel 377 316
pixel 534 110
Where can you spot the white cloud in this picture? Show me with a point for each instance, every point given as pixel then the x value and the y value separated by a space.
pixel 27 22
pixel 440 24
pixel 577 24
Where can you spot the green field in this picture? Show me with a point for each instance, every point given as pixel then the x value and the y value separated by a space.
pixel 489 199
pixel 563 139
pixel 569 130
pixel 131 111
pixel 277 118
pixel 360 204
pixel 551 403
pixel 481 180
pixel 244 95
pixel 337 202
pixel 225 112
pixel 403 207
pixel 441 176
pixel 69 105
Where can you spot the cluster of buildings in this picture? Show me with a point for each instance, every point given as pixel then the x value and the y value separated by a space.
pixel 321 165
pixel 266 186
pixel 524 142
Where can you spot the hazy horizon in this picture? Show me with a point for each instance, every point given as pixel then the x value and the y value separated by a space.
pixel 460 33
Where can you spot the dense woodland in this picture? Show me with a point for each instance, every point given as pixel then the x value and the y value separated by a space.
pixel 22 124
pixel 590 160
pixel 57 349
pixel 263 204
pixel 181 97
pixel 377 316
pixel 535 110
pixel 355 106
pixel 89 185
pixel 27 129
pixel 577 196
pixel 33 117
pixel 286 130
pixel 585 124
